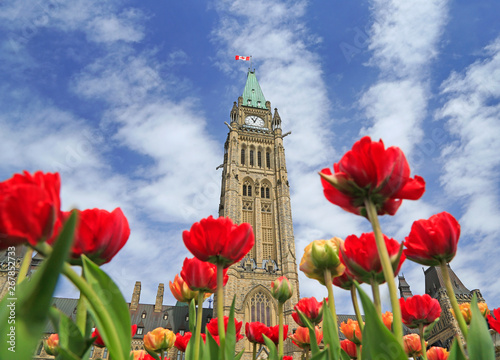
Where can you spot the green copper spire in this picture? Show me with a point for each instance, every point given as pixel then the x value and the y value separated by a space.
pixel 252 95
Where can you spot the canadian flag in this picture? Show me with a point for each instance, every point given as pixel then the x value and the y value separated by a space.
pixel 238 57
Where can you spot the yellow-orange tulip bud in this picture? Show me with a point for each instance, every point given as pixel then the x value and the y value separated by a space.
pixel 159 339
pixel 182 292
pixel 321 255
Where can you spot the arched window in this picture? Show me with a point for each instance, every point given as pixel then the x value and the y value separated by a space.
pixel 268 159
pixel 244 190
pixel 242 156
pixel 260 308
pixel 262 191
pixel 249 190
pixel 267 193
pixel 259 159
pixel 251 157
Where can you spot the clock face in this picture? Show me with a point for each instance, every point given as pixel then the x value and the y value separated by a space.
pixel 254 120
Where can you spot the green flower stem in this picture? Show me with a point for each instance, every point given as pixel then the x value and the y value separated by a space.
pixel 451 295
pixel 376 297
pixel 331 301
pixel 220 310
pixel 25 266
pixel 280 330
pixel 358 351
pixel 306 354
pixel 81 314
pixel 387 269
pixel 356 307
pixel 199 317
pixel 422 341
pixel 254 351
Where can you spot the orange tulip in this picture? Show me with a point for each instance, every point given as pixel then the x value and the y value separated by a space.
pixel 351 331
pixel 159 339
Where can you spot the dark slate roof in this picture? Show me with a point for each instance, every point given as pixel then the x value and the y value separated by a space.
pixel 175 319
pixel 434 281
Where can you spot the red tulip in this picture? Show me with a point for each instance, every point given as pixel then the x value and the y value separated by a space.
pixel 433 241
pixel 213 328
pixel 274 333
pixel 100 343
pixel 369 171
pixel 350 348
pixel 419 310
pixel 495 321
pixel 51 345
pixel 351 331
pixel 361 258
pixel 182 341
pixel 29 206
pixel 99 234
pixel 344 281
pixel 219 241
pixel 182 292
pixel 287 357
pixel 437 353
pixel 141 355
pixel 254 332
pixel 312 310
pixel 302 338
pixel 200 275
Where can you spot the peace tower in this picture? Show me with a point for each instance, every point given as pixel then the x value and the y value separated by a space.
pixel 255 189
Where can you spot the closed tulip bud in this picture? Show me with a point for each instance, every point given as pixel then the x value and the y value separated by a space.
pixel 412 345
pixel 182 292
pixel 437 353
pixel 159 339
pixel 51 345
pixel 312 310
pixel 281 289
pixel 351 331
pixel 321 255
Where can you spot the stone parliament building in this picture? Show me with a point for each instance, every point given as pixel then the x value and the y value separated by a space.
pixel 254 189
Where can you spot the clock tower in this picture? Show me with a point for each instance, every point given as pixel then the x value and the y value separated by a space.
pixel 255 189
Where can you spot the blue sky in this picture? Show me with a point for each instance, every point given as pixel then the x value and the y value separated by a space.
pixel 128 102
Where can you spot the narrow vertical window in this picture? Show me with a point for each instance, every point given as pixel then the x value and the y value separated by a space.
pixel 268 160
pixel 249 190
pixel 251 157
pixel 262 192
pixel 267 193
pixel 242 156
pixel 244 190
pixel 259 159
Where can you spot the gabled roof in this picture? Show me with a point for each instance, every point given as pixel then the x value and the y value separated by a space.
pixel 252 94
pixel 434 281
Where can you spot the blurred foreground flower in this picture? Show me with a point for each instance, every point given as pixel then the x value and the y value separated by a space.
pixel 29 207
pixel 370 172
pixel 219 241
pixel 433 241
pixel 51 345
pixel 495 321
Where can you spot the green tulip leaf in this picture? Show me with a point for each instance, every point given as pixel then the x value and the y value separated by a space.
pixel 230 344
pixel 70 338
pixel 238 357
pixel 456 352
pixel 153 354
pixel 479 342
pixel 344 355
pixel 273 353
pixel 378 341
pixel 24 309
pixel 211 347
pixel 322 355
pixel 116 335
pixel 330 336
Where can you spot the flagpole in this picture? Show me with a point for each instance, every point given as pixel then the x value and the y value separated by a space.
pixel 250 63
